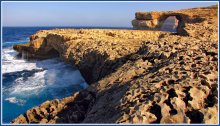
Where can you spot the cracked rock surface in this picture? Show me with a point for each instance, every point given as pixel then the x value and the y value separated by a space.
pixel 135 76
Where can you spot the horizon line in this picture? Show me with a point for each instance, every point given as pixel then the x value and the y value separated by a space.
pixel 68 26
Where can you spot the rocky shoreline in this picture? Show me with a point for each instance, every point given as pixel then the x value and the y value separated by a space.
pixel 135 76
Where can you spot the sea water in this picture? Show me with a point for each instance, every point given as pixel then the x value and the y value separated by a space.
pixel 26 84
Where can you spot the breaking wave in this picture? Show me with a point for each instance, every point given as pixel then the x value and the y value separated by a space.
pixel 29 83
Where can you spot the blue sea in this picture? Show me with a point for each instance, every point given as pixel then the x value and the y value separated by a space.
pixel 27 83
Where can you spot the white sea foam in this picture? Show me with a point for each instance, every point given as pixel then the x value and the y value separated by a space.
pixel 51 77
pixel 15 100
pixel 11 64
pixel 31 86
pixel 56 76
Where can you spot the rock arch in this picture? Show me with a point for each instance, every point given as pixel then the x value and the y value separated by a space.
pixel 181 24
pixel 170 24
pixel 155 20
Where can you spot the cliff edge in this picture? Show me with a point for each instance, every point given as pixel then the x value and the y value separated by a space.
pixel 135 76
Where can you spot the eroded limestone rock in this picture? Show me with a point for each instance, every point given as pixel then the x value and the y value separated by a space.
pixel 135 76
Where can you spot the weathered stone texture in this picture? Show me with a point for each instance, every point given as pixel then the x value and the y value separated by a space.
pixel 135 76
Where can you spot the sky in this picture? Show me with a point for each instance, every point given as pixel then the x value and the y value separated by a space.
pixel 93 14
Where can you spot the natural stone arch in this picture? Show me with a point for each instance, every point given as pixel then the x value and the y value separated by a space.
pixel 170 24
pixel 155 20
pixel 181 24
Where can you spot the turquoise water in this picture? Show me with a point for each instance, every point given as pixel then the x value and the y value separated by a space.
pixel 26 84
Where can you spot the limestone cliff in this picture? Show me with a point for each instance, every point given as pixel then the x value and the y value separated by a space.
pixel 187 18
pixel 135 76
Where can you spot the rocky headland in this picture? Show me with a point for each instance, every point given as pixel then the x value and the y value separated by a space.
pixel 135 76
